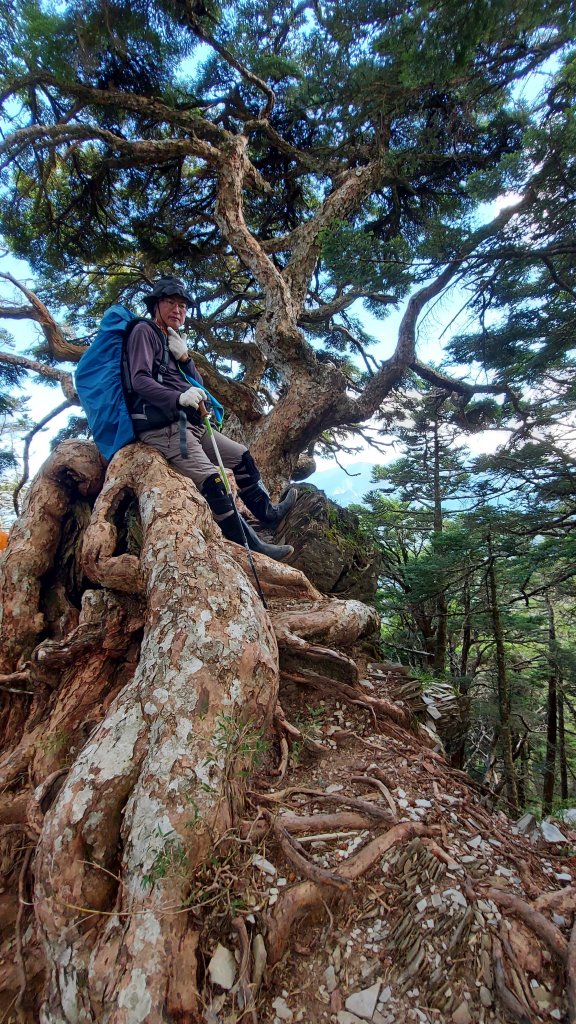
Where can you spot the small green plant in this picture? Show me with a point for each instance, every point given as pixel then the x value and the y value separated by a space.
pixel 237 742
pixel 170 859
pixel 310 723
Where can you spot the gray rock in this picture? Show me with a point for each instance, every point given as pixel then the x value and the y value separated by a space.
pixel 462 1014
pixel 551 832
pixel 344 1017
pixel 474 842
pixel 222 967
pixel 456 896
pixel 281 1009
pixel 263 865
pixel 329 547
pixel 485 996
pixel 526 825
pixel 330 976
pixel 363 1003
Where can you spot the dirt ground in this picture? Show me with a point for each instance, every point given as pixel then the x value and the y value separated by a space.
pixel 423 934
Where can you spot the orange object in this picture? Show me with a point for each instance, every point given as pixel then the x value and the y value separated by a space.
pixel 3 540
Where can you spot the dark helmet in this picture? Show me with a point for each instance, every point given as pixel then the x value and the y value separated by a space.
pixel 163 288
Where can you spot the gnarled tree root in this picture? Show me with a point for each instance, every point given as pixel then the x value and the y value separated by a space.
pixel 310 895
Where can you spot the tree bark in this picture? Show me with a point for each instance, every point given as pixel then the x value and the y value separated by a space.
pixel 147 789
pixel 562 745
pixel 441 639
pixel 503 684
pixel 549 774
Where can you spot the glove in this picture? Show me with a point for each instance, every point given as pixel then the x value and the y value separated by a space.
pixel 191 399
pixel 177 345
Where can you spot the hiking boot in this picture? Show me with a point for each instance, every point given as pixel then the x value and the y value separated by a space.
pixel 256 497
pixel 233 526
pixel 233 531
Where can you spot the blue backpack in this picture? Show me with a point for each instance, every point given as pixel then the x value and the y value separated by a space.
pixel 103 382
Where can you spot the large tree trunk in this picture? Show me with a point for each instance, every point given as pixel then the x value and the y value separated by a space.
pixel 147 693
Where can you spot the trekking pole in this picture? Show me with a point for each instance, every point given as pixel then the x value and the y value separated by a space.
pixel 206 421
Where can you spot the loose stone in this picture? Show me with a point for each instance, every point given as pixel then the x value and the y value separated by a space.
pixel 283 1012
pixel 364 1003
pixel 485 996
pixel 462 1014
pixel 222 968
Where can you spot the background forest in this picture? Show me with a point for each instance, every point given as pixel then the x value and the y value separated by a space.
pixel 335 182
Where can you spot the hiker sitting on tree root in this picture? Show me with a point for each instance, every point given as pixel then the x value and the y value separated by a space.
pixel 163 397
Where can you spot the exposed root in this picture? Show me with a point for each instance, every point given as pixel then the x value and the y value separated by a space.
pixel 370 810
pixel 330 621
pixel 310 895
pixel 520 973
pixel 278 580
pixel 132 755
pixel 19 957
pixel 382 710
pixel 294 855
pixel 571 976
pixel 308 825
pixel 367 780
pixel 536 921
pixel 511 1004
pixel 75 468
pixel 43 797
pixel 288 734
pixel 441 854
pixel 297 654
pixel 284 755
pixel 559 901
pixel 244 987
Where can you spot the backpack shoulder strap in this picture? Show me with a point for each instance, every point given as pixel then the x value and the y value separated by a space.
pixel 159 368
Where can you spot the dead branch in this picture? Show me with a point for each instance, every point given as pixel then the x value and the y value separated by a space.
pixel 59 346
pixel 28 438
pixel 294 854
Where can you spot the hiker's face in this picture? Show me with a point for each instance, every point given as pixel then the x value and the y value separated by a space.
pixel 172 311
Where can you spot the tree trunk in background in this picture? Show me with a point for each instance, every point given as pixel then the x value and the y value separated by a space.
pixel 524 773
pixel 441 641
pixel 466 628
pixel 562 744
pixel 551 716
pixel 503 685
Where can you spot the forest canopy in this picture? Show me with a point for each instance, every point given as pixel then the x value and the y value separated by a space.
pixel 300 168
